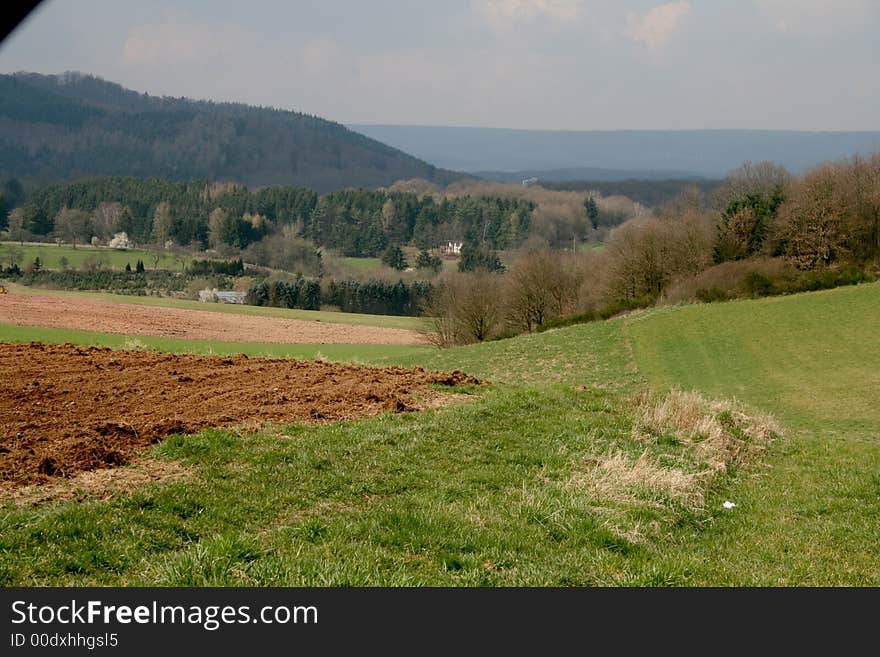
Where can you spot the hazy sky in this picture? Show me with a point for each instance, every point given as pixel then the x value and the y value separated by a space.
pixel 544 64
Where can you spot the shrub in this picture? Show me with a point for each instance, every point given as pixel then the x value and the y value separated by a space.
pixel 205 267
pixel 712 294
pixel 727 278
pixel 755 284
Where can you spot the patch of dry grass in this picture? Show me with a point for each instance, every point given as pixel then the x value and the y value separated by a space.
pixel 720 433
pixel 687 442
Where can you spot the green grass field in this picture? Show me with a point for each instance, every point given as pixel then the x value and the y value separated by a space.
pixel 385 321
pixel 334 352
pixel 51 256
pixel 532 482
pixel 360 264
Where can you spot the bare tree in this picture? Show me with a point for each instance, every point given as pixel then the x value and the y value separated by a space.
pixel 72 225
pixel 466 308
pixel 162 223
pixel 763 178
pixel 16 225
pixel 106 218
pixel 541 286
pixel 643 256
pixel 216 227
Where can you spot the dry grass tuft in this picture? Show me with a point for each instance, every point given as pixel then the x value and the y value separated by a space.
pixel 720 433
pixel 617 477
pixel 707 437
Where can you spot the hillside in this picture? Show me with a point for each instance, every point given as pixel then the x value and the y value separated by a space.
pixel 70 126
pixel 617 155
pixel 551 475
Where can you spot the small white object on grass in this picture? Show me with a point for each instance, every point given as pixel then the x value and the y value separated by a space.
pixel 728 505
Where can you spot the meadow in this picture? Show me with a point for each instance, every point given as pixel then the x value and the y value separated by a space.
pixel 54 256
pixel 563 471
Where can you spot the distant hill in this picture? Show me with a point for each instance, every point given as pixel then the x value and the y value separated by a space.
pixel 586 173
pixel 706 153
pixel 69 126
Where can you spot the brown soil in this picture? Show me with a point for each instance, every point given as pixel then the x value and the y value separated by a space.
pixel 66 409
pixel 133 319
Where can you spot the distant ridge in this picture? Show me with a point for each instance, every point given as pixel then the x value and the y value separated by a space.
pixel 68 126
pixel 628 153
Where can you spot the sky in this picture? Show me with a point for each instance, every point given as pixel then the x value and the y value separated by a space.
pixel 532 64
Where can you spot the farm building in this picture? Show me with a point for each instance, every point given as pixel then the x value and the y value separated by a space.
pixel 221 296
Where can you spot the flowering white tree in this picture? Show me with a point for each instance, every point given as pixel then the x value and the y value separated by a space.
pixel 121 241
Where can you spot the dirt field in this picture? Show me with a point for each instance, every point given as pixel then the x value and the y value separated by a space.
pixel 66 409
pixel 131 319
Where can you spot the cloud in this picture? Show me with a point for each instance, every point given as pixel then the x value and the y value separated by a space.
pixel 656 27
pixel 817 17
pixel 503 12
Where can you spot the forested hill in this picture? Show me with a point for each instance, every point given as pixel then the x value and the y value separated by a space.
pixel 62 127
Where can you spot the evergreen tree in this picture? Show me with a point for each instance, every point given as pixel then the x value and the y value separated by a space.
pixel 476 257
pixel 592 212
pixel 427 261
pixel 395 258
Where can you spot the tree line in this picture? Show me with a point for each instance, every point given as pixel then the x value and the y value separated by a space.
pixel 227 217
pixel 371 296
pixel 763 232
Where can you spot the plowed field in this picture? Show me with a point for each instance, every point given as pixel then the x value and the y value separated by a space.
pixel 65 409
pixel 130 319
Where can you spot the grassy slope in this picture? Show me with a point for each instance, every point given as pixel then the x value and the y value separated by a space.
pixel 814 360
pixel 385 321
pixel 477 493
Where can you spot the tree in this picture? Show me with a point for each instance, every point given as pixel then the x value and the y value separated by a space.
pixel 427 261
pixel 858 180
pixel 812 228
pixel 541 286
pixel 764 179
pixel 476 257
pixel 395 258
pixel 643 256
pixel 745 224
pixel 13 192
pixel 15 255
pixel 139 267
pixel 16 225
pixel 37 220
pixel 592 212
pixel 120 241
pixel 106 219
pixel 72 225
pixel 215 227
pixel 162 223
pixel 466 308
